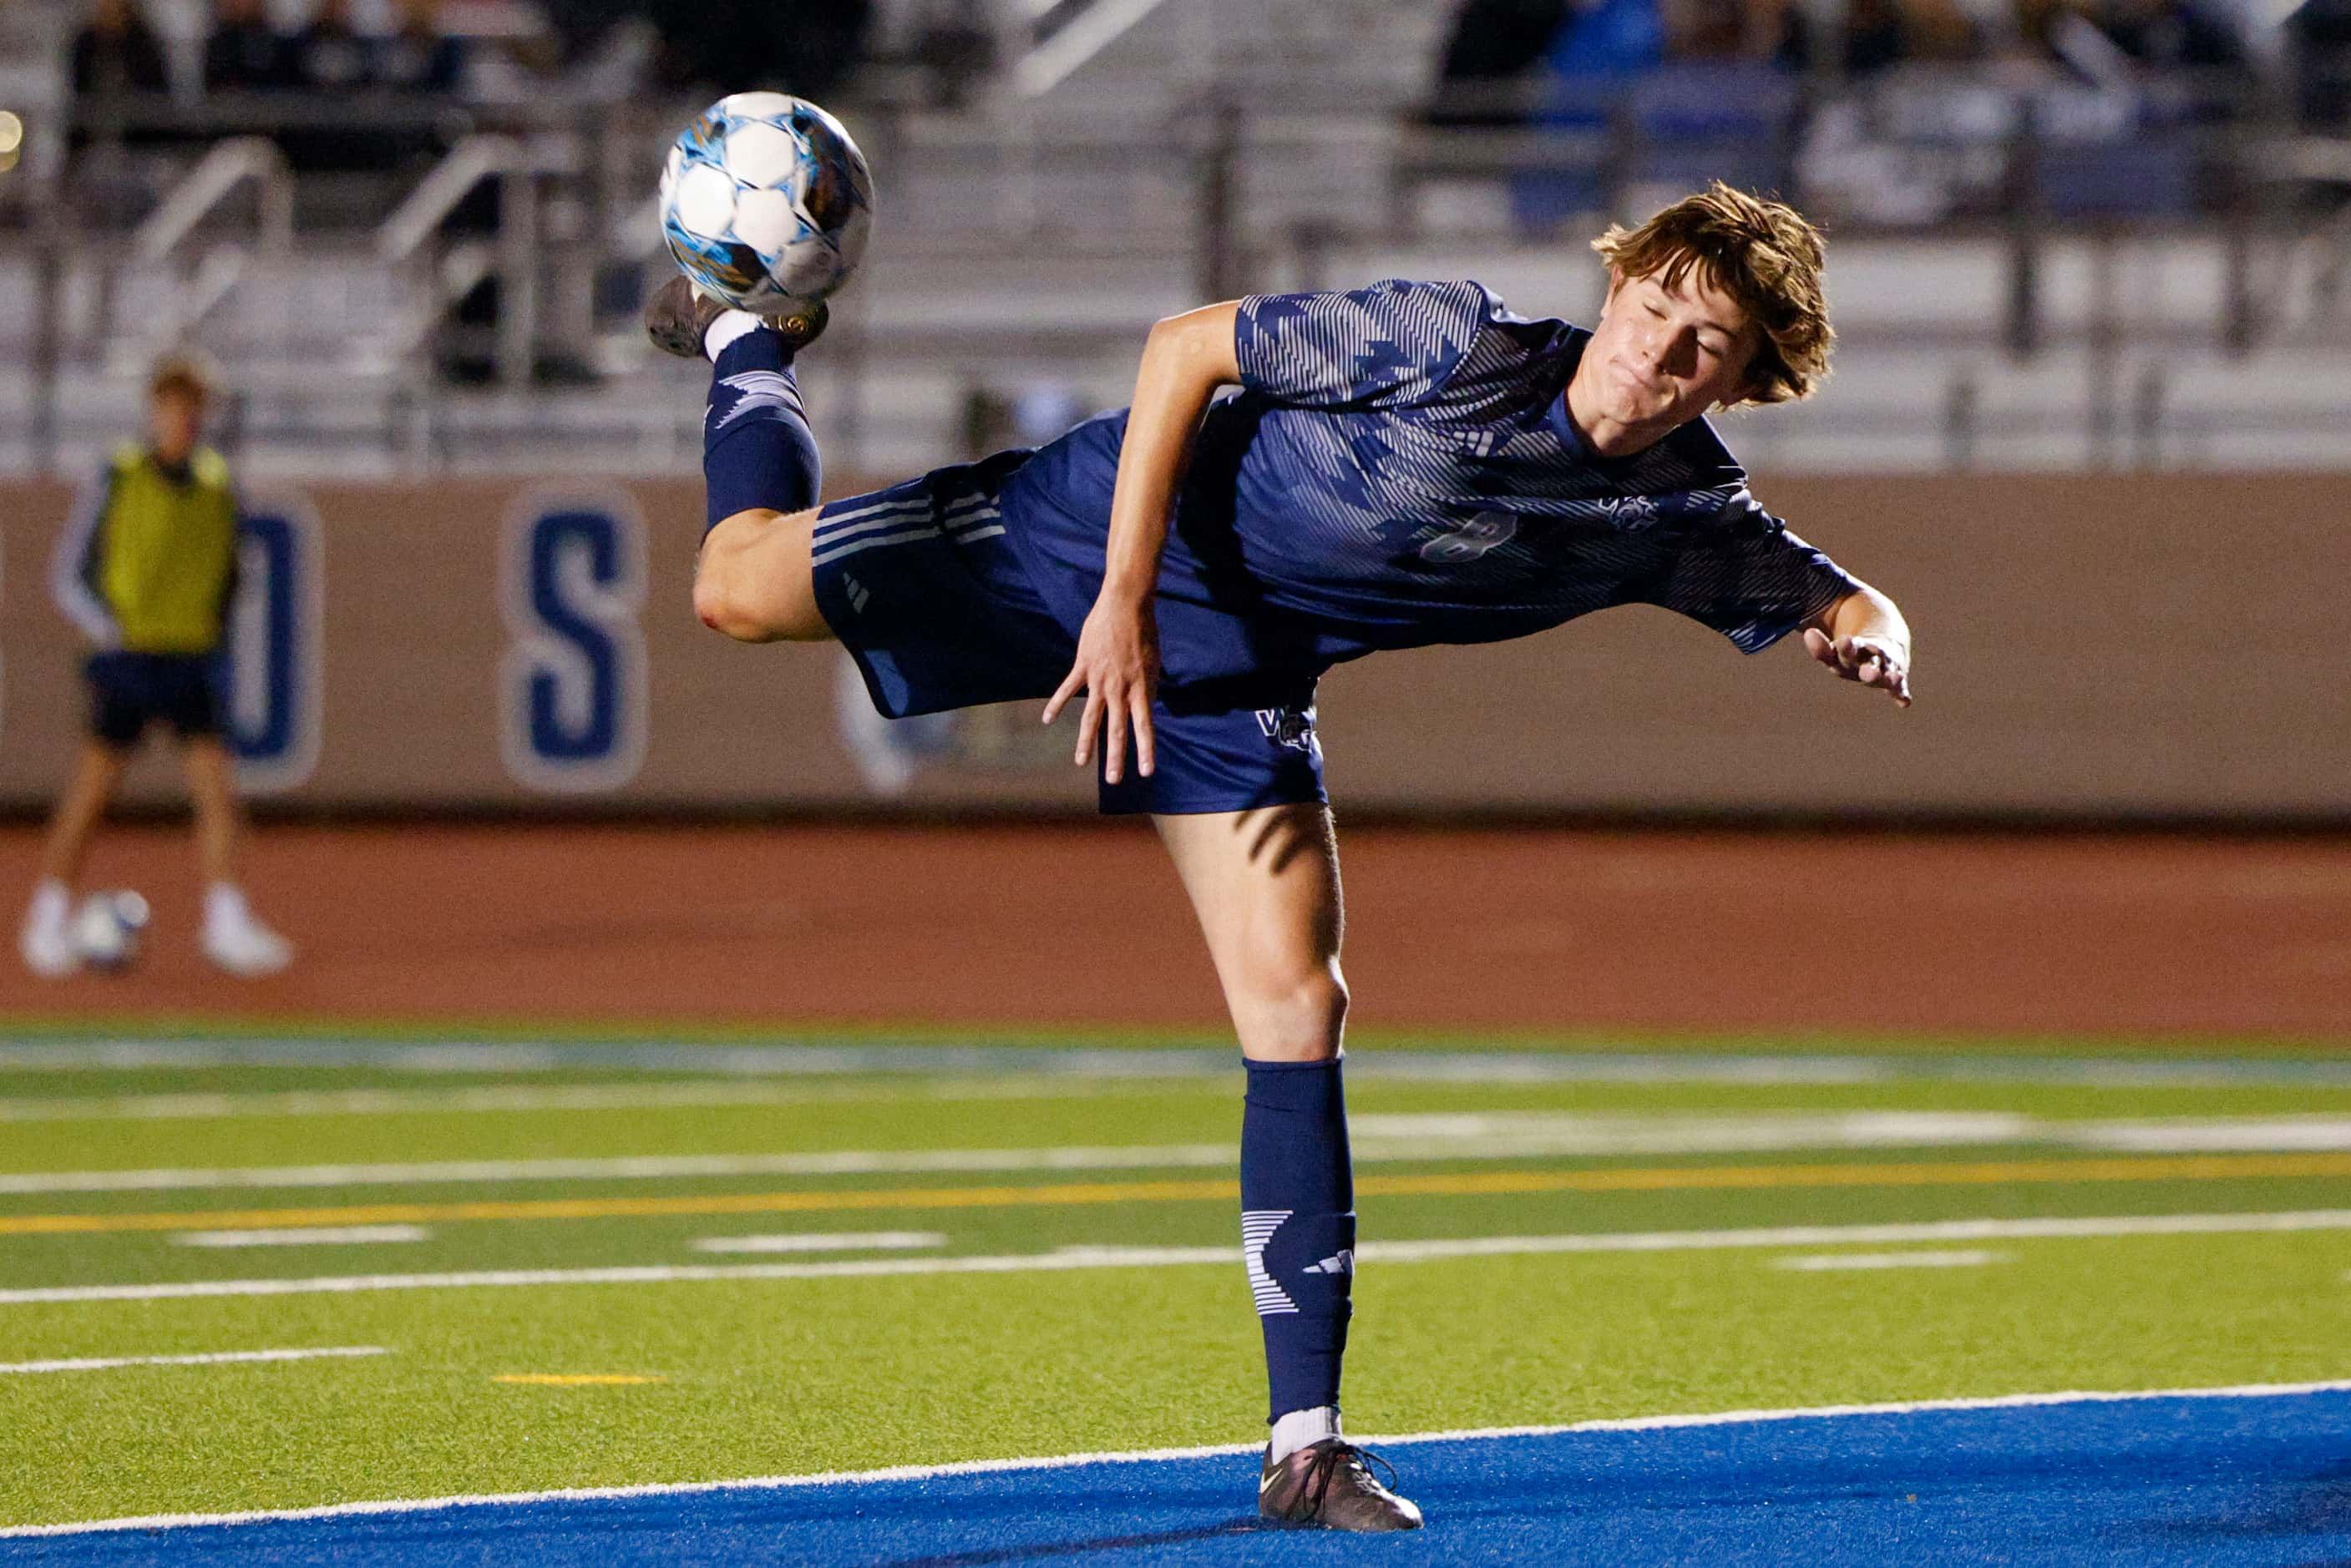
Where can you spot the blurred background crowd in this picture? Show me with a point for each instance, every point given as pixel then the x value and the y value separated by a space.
pixel 1822 88
pixel 2136 213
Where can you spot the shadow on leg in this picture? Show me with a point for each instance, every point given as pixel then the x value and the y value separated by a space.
pixel 1265 885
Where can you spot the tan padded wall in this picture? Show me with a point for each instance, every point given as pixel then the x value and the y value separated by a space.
pixel 2143 645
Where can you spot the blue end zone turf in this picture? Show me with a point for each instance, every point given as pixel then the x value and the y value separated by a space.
pixel 2220 1481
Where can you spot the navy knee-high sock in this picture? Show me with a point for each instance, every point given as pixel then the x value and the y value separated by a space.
pixel 1298 1226
pixel 757 448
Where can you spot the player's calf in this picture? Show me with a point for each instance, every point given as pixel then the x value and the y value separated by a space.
pixel 753 579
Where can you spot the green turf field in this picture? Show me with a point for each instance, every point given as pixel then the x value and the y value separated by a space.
pixel 558 1270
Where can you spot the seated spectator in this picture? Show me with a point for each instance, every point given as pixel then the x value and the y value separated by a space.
pixel 2169 35
pixel 1735 30
pixel 419 57
pixel 325 61
pixel 116 60
pixel 245 53
pixel 117 54
pixel 1612 39
pixel 1494 44
pixel 2194 66
pixel 2321 32
pixel 1872 38
pixel 327 57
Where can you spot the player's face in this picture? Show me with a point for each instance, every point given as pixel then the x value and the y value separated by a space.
pixel 1667 355
pixel 175 420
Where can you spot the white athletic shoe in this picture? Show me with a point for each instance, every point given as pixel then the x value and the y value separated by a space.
pixel 46 939
pixel 238 942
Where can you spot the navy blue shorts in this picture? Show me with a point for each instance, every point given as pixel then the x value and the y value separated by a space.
pixel 922 587
pixel 128 691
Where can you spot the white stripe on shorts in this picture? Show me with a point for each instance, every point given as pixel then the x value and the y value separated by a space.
pixel 827 532
pixel 854 545
pixel 888 503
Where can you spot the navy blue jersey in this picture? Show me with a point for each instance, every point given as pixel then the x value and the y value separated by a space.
pixel 1398 470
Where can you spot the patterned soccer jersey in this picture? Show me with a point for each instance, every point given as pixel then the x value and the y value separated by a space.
pixel 1399 469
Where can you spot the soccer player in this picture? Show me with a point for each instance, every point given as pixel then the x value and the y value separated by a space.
pixel 1403 464
pixel 145 569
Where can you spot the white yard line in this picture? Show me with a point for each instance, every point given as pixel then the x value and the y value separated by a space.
pixel 911 1063
pixel 1835 1262
pixel 825 1242
pixel 315 1236
pixel 1066 1259
pixel 623 1167
pixel 1378 1139
pixel 216 1358
pixel 510 1098
pixel 1146 1456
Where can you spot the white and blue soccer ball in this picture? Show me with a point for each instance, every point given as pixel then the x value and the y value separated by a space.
pixel 765 202
pixel 107 929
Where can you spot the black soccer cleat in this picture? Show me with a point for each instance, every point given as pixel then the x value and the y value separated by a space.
pixel 1328 1484
pixel 679 314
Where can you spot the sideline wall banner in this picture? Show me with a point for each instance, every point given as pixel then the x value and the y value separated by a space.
pixel 2136 645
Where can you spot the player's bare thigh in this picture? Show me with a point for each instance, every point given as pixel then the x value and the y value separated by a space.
pixel 754 580
pixel 1265 885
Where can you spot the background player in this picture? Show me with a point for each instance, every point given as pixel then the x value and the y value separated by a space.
pixel 1406 463
pixel 146 568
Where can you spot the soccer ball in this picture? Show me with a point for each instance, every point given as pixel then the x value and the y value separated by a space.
pixel 765 202
pixel 107 927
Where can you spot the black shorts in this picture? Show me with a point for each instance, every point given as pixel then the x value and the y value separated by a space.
pixel 128 691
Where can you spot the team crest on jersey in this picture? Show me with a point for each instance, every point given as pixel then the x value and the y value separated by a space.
pixel 1633 513
pixel 1467 540
pixel 1289 727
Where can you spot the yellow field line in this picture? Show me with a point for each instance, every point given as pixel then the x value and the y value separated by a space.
pixel 1991 1173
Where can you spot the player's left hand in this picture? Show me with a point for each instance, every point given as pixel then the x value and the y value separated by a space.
pixel 1872 660
pixel 1117 668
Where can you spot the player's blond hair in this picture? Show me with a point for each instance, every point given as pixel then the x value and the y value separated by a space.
pixel 1766 255
pixel 184 372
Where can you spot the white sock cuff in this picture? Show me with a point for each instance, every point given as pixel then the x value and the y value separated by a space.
pixel 49 894
pixel 726 329
pixel 224 902
pixel 1303 1428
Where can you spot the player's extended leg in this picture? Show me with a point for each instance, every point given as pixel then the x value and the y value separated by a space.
pixel 1265 884
pixel 46 940
pixel 233 938
pixel 753 580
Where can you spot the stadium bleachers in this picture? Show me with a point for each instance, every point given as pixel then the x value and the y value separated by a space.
pixel 1128 164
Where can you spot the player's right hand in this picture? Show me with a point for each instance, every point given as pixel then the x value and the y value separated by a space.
pixel 1872 661
pixel 1117 668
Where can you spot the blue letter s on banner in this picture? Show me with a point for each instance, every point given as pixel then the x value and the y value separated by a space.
pixel 572 685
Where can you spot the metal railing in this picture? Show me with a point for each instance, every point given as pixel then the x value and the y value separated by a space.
pixel 198 287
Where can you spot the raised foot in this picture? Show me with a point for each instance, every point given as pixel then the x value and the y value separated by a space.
pixel 1328 1484
pixel 678 315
